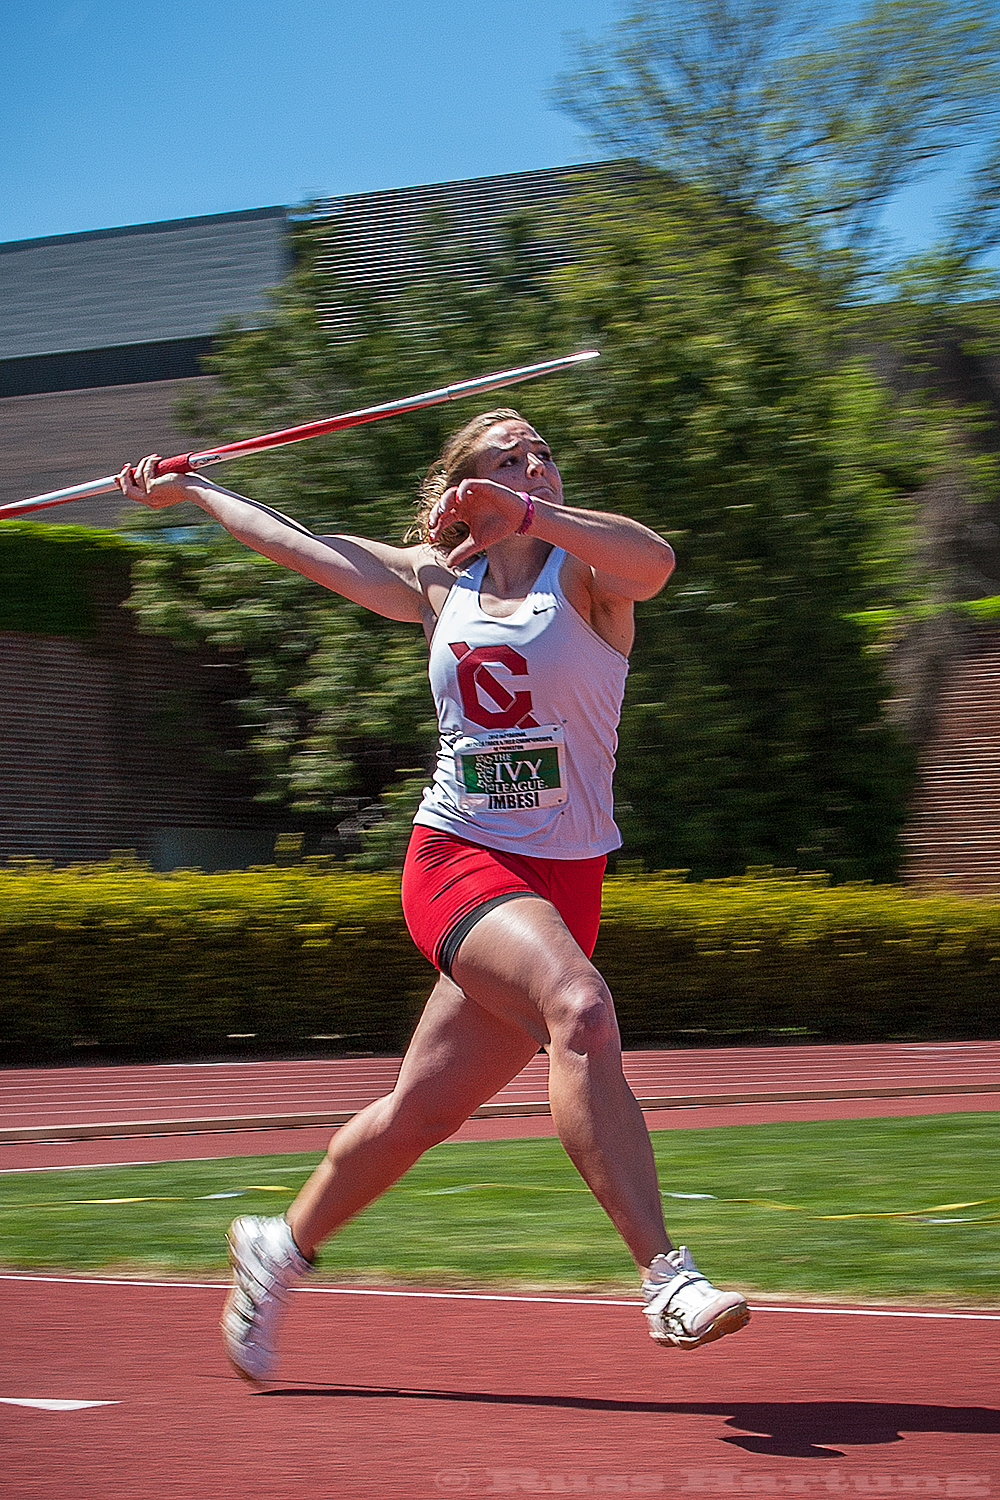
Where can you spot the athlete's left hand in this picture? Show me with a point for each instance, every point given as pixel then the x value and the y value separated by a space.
pixel 491 512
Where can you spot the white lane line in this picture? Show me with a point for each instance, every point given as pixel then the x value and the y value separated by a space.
pixel 44 1404
pixel 756 1071
pixel 95 1166
pixel 809 1309
pixel 85 1102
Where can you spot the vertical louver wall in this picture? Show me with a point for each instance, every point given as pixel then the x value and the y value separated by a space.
pixel 120 741
pixel 952 839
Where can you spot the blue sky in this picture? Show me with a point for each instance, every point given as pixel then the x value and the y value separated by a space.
pixel 122 111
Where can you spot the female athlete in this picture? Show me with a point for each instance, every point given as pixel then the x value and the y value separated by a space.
pixel 527 605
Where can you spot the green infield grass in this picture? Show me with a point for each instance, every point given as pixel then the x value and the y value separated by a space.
pixel 882 1209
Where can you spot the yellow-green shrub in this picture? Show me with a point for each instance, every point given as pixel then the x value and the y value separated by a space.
pixel 141 964
pixel 766 956
pixel 176 964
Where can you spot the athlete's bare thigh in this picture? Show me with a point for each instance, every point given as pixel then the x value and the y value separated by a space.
pixel 521 963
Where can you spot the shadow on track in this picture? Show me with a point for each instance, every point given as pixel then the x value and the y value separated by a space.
pixel 788 1429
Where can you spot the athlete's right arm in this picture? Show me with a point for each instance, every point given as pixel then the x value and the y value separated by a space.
pixel 384 579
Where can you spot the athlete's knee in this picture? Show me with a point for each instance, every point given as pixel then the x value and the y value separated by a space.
pixel 581 1017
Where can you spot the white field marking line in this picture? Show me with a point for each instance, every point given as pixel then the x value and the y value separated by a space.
pixel 734 1090
pixel 80 1113
pixel 760 1071
pixel 52 1404
pixel 355 1291
pixel 780 1058
pixel 324 1111
pixel 714 1067
pixel 863 1052
pixel 87 1166
pixel 166 1071
pixel 113 1097
pixel 946 1101
pixel 138 1088
pixel 252 1106
pixel 91 1077
pixel 103 1166
pixel 197 1087
pixel 299 1130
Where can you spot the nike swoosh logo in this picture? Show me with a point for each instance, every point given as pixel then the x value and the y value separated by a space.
pixel 540 609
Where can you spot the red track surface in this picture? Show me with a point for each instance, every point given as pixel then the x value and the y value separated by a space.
pixel 411 1396
pixel 62 1097
pixel 54 1098
pixel 401 1398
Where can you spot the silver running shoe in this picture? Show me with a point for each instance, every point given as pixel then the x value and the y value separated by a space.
pixel 684 1308
pixel 266 1263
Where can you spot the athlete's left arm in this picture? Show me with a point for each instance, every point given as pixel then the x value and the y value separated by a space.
pixel 611 561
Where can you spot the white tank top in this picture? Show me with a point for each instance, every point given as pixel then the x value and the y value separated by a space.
pixel 528 711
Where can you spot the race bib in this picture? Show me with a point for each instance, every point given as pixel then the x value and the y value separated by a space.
pixel 507 770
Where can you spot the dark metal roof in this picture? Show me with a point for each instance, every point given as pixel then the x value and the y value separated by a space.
pixel 141 284
pixel 115 307
pixel 374 242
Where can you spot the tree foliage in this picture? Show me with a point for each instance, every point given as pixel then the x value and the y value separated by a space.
pixel 776 109
pixel 727 417
pixel 721 414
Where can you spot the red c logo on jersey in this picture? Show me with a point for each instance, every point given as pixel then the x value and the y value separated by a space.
pixel 477 683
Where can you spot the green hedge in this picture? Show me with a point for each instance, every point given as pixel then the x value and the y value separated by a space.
pixel 765 958
pixel 49 574
pixel 116 959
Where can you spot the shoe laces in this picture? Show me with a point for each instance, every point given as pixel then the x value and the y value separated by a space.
pixel 659 1292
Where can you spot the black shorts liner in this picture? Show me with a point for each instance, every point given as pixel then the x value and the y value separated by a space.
pixel 453 940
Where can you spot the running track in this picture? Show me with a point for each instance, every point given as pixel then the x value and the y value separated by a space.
pixel 401 1396
pixel 406 1397
pixel 63 1116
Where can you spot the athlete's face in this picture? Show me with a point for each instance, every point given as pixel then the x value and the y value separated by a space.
pixel 514 455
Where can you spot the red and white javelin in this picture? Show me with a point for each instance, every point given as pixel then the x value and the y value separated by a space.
pixel 190 463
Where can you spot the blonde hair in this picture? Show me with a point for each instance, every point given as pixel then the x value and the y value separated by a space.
pixel 456 461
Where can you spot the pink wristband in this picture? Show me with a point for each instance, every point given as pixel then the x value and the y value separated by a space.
pixel 529 513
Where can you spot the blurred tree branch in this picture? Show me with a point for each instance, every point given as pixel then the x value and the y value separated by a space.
pixel 778 113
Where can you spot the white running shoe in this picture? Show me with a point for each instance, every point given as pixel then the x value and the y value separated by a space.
pixel 684 1308
pixel 266 1262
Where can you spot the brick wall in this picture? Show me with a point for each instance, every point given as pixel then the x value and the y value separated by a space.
pixel 122 741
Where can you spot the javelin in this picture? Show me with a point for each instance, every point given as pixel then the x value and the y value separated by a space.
pixel 190 463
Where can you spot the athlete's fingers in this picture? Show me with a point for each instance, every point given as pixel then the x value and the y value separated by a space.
pixel 471 490
pixel 442 510
pixel 490 511
pixel 487 493
pixel 483 489
pixel 125 479
pixel 147 469
pixel 462 553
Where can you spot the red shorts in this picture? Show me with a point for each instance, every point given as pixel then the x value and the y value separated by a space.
pixel 448 884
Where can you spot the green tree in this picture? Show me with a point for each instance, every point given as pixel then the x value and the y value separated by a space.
pixel 776 110
pixel 753 731
pixel 339 710
pixel 726 416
